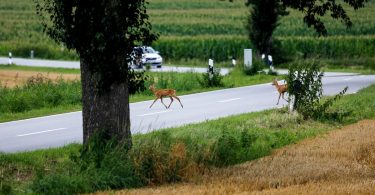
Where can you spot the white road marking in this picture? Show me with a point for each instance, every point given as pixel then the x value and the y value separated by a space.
pixel 42 117
pixel 229 100
pixel 148 114
pixel 39 132
pixel 348 79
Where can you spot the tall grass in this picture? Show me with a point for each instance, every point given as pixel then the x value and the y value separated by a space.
pixel 39 92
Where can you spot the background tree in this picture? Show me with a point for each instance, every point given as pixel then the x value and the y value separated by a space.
pixel 103 33
pixel 265 14
pixel 262 22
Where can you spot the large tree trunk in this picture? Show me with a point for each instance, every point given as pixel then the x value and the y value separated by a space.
pixel 106 110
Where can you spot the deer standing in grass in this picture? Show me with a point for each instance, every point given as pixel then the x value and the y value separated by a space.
pixel 161 93
pixel 281 89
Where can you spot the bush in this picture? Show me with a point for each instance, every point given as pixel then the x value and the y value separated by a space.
pixel 228 150
pixel 212 79
pixel 255 68
pixel 305 85
pixel 162 159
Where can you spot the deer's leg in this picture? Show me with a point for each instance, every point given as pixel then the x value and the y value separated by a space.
pixel 278 99
pixel 154 102
pixel 161 99
pixel 171 101
pixel 178 100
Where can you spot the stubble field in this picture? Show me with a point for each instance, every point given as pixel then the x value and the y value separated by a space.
pixel 339 162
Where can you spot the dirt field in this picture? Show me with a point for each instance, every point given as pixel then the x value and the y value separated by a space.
pixel 11 78
pixel 340 162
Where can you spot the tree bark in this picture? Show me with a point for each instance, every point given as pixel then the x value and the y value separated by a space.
pixel 106 110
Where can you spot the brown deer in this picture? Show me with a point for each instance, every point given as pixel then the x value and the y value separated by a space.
pixel 281 89
pixel 161 93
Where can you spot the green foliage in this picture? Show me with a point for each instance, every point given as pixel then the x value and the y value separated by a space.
pixel 178 81
pixel 212 79
pixel 137 82
pixel 39 92
pixel 305 86
pixel 220 48
pixel 154 159
pixel 262 22
pixel 103 33
pixel 5 188
pixel 102 164
pixel 286 48
pixel 227 149
pixel 255 68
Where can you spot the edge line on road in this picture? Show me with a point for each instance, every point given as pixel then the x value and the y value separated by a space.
pixel 228 100
pixel 22 120
pixel 39 132
pixel 152 113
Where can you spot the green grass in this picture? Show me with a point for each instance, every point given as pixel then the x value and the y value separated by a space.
pixel 40 69
pixel 220 142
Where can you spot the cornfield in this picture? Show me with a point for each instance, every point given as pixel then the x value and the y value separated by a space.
pixel 198 30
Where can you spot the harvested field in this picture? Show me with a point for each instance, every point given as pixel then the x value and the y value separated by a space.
pixel 11 78
pixel 339 162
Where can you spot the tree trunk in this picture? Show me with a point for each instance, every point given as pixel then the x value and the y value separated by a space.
pixel 107 110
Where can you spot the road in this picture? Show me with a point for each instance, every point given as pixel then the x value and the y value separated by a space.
pixel 76 65
pixel 58 130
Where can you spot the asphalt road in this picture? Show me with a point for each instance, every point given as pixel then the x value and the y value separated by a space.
pixel 76 65
pixel 58 130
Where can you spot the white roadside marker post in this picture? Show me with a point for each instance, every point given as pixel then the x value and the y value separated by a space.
pixel 211 68
pixel 10 58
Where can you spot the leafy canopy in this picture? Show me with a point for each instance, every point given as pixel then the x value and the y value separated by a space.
pixel 313 10
pixel 103 32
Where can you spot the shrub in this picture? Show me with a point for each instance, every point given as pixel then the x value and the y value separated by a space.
pixel 255 68
pixel 162 159
pixel 212 79
pixel 228 149
pixel 305 86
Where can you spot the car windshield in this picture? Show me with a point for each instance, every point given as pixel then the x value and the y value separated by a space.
pixel 148 50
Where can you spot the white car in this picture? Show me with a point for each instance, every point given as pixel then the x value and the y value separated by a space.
pixel 146 55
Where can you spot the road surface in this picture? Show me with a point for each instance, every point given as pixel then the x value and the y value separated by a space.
pixel 76 65
pixel 59 130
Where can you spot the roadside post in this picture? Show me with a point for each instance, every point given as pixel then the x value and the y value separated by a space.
pixel 234 62
pixel 211 68
pixel 270 62
pixel 10 58
pixel 32 54
pixel 248 58
pixel 297 87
